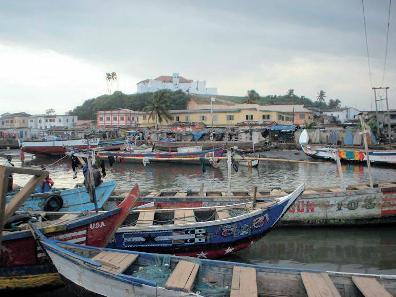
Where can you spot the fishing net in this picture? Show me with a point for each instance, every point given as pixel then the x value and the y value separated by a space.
pixel 158 272
pixel 161 270
pixel 204 287
pixel 237 212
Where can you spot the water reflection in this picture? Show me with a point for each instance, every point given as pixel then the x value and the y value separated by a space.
pixel 365 250
pixel 350 249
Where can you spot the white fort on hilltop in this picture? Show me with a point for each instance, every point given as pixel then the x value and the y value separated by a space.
pixel 174 83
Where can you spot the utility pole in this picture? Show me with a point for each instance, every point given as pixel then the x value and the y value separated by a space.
pixel 387 111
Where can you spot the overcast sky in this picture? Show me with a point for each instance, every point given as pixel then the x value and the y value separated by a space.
pixel 54 54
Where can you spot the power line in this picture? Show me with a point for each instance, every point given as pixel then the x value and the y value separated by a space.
pixel 387 42
pixel 367 47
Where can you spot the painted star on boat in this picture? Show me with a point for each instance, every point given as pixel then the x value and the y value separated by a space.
pixel 202 255
pixel 228 250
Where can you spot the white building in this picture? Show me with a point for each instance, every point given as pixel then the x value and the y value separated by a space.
pixel 343 115
pixel 174 83
pixel 42 122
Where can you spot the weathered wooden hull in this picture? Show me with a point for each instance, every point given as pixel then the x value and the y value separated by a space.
pixel 242 145
pixel 385 157
pixel 57 147
pixel 147 158
pixel 208 238
pixel 214 278
pixel 23 264
pixel 76 199
pixel 358 205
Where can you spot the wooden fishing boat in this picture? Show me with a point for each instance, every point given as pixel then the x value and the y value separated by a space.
pixel 118 273
pixel 23 264
pixel 57 147
pixel 193 157
pixel 245 146
pixel 75 199
pixel 208 232
pixel 352 155
pixel 112 145
pixel 356 205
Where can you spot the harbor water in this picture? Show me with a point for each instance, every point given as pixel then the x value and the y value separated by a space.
pixel 349 249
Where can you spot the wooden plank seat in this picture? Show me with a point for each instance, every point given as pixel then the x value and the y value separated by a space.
pixel 222 213
pixel 183 276
pixel 262 205
pixel 145 218
pixel 183 216
pixel 114 262
pixel 370 287
pixel 336 190
pixel 244 282
pixel 319 285
pixel 277 192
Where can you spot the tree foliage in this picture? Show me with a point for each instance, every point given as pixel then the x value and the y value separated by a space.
pixel 252 97
pixel 321 96
pixel 87 111
pixel 334 103
pixel 158 107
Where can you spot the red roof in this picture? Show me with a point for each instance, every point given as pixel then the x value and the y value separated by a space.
pixel 168 79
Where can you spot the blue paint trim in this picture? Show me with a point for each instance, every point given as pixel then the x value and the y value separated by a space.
pixel 55 248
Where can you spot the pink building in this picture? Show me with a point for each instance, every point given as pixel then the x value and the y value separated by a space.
pixel 117 118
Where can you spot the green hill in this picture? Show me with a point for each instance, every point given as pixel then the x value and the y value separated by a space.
pixel 179 100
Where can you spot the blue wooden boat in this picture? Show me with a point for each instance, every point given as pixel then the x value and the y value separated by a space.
pixel 24 264
pixel 117 273
pixel 206 232
pixel 186 157
pixel 64 200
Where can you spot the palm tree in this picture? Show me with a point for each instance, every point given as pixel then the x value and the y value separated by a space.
pixel 321 96
pixel 252 97
pixel 158 107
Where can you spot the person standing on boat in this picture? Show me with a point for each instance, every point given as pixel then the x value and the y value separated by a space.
pixel 10 177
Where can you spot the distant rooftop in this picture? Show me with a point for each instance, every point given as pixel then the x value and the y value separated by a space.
pixel 168 79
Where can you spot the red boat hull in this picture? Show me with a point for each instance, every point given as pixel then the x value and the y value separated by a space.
pixel 21 256
pixel 51 150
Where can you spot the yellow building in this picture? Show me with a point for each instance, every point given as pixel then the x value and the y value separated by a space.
pixel 14 120
pixel 231 115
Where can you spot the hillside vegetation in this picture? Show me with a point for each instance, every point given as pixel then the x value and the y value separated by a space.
pixel 179 100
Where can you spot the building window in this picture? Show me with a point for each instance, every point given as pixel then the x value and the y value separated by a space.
pixel 144 117
pixel 302 116
pixel 202 118
pixel 31 121
pixel 67 120
pixel 40 121
pixel 46 120
pixel 266 117
pixel 187 118
pixel 23 121
pixel 114 118
pixel 177 119
pixel 121 118
pixel 215 118
pixel 101 119
pixel 107 118
pixel 249 117
pixel 60 120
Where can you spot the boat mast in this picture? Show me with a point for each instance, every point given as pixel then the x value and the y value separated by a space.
pixel 364 132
